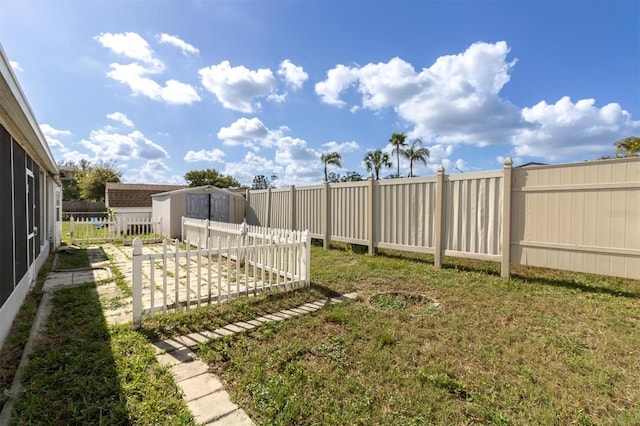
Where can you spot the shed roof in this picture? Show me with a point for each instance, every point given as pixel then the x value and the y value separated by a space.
pixel 134 194
pixel 200 189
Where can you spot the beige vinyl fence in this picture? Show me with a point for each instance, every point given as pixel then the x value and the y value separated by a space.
pixel 582 217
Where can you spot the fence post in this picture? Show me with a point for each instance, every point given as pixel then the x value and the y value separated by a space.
pixel 268 207
pixel 292 201
pixel 182 228
pixel 305 269
pixel 71 231
pixel 506 219
pixel 327 215
pixel 370 214
pixel 206 231
pixel 437 258
pixel 137 283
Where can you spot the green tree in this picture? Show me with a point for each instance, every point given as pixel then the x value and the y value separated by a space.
pixel 352 177
pixel 261 182
pixel 333 158
pixel 333 177
pixel 628 147
pixel 416 153
pixel 375 160
pixel 210 177
pixel 92 180
pixel 398 141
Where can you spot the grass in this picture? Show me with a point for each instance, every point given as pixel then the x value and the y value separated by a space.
pixel 72 258
pixel 85 372
pixel 13 346
pixel 457 345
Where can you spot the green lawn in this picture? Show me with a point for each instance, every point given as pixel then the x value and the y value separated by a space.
pixel 457 345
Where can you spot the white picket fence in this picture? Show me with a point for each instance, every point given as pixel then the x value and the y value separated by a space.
pixel 122 228
pixel 233 261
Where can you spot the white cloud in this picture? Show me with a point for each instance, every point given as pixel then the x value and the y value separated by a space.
pixel 121 118
pixel 294 75
pixel 338 79
pixel 236 87
pixel 294 162
pixel 301 164
pixel 249 132
pixel 334 146
pixel 204 155
pixel 566 129
pixel 155 172
pixel 16 66
pixel 179 43
pixel 51 134
pixel 116 146
pixel 250 166
pixel 131 45
pixel 134 75
pixel 456 100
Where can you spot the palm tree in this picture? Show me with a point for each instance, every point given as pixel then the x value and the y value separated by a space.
pixel 375 160
pixel 416 153
pixel 398 140
pixel 333 158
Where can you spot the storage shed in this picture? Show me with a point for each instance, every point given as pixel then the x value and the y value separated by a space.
pixel 201 202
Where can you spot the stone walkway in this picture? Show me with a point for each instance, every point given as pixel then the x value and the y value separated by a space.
pixel 203 392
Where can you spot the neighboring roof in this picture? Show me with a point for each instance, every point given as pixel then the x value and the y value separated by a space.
pixel 134 194
pixel 531 164
pixel 18 118
pixel 201 189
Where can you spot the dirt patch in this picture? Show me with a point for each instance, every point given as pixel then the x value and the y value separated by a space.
pixel 414 303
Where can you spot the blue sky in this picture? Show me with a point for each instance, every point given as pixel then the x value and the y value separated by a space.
pixel 265 87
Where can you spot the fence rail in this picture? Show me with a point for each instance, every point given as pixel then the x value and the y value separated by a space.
pixel 233 261
pixel 111 229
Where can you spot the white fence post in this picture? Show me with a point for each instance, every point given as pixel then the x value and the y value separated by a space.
pixel 268 208
pixel 71 231
pixel 137 283
pixel 305 270
pixel 506 219
pixel 327 215
pixel 292 202
pixel 437 258
pixel 370 214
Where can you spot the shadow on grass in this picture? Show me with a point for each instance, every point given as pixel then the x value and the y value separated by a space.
pixel 574 285
pixel 72 376
pixel 96 254
pixel 162 326
pixel 84 371
pixel 466 265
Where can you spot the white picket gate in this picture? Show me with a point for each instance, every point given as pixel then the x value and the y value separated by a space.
pixel 230 263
